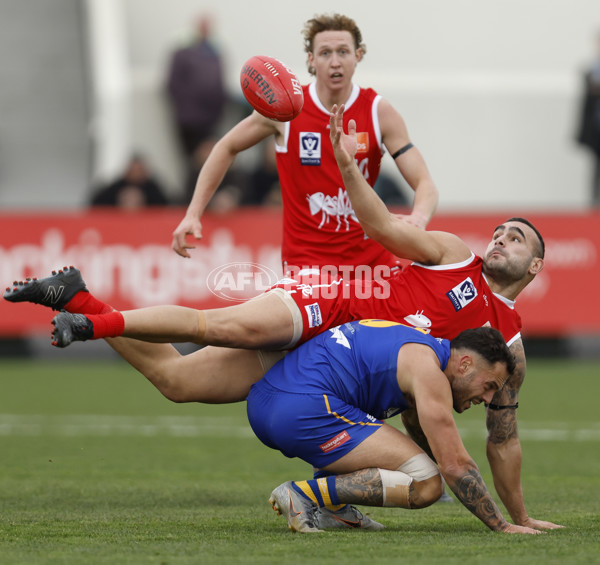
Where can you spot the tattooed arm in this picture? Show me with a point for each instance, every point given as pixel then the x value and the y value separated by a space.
pixel 504 448
pixel 434 404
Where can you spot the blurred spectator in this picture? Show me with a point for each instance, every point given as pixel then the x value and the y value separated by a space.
pixel 263 187
pixel 589 128
pixel 196 88
pixel 390 191
pixel 136 188
pixel 231 189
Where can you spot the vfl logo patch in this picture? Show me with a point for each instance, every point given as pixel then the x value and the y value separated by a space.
pixel 310 148
pixel 313 311
pixel 335 442
pixel 462 294
pixel 362 140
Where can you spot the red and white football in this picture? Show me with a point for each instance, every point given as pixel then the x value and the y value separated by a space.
pixel 271 88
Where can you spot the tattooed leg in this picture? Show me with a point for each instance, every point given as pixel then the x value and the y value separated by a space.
pixel 361 487
pixel 381 487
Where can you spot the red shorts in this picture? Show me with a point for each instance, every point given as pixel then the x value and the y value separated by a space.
pixel 326 302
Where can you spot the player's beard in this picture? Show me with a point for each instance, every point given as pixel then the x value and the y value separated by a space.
pixel 505 272
pixel 461 394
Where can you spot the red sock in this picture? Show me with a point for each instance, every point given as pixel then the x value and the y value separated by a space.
pixel 85 302
pixel 107 325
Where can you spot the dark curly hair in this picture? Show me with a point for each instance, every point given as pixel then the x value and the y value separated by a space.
pixel 487 342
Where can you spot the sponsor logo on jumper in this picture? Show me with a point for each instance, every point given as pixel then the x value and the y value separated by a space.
pixel 239 281
pixel 335 442
pixel 313 311
pixel 462 294
pixel 362 140
pixel 310 148
pixel 338 207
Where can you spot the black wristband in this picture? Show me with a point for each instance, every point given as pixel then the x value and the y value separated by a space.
pixel 402 150
pixel 501 407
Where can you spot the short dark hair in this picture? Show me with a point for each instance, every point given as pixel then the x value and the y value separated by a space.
pixel 542 249
pixel 487 342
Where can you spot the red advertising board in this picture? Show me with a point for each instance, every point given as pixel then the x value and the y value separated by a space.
pixel 127 261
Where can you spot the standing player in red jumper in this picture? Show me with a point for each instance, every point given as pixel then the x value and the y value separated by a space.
pixel 319 225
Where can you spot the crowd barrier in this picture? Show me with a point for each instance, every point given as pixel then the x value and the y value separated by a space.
pixel 127 261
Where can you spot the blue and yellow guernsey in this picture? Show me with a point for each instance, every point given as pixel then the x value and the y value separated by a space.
pixel 359 370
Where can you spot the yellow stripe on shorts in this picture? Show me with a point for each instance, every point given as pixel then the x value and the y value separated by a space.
pixel 346 419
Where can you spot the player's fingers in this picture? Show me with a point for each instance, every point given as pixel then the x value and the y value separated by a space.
pixel 181 252
pixel 340 117
pixel 334 119
pixel 179 245
pixel 352 127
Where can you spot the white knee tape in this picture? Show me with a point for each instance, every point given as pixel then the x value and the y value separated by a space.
pixel 420 467
pixel 294 311
pixel 391 480
pixel 394 479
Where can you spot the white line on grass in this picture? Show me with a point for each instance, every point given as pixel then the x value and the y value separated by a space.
pixel 112 425
pixel 66 425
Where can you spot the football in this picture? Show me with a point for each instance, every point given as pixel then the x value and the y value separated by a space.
pixel 271 88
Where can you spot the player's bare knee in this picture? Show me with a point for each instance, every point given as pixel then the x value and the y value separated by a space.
pixel 166 378
pixel 171 389
pixel 425 493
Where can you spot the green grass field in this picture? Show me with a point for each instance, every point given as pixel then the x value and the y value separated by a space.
pixel 97 467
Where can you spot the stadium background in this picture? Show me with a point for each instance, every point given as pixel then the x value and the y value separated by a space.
pixel 97 467
pixel 490 91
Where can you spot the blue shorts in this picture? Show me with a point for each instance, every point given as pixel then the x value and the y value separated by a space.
pixel 318 428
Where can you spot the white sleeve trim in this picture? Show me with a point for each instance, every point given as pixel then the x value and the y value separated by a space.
pixel 286 135
pixel 375 120
pixel 449 266
pixel 513 339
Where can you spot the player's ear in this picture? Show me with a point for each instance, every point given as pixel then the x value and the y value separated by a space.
pixel 310 59
pixel 537 264
pixel 464 363
pixel 359 54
